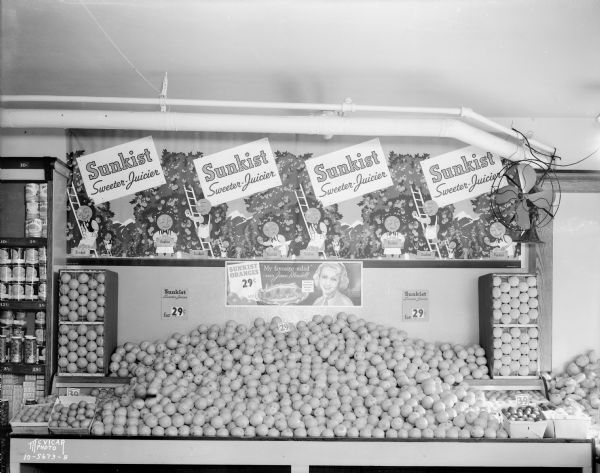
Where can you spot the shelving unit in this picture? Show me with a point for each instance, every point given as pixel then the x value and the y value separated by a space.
pixel 15 172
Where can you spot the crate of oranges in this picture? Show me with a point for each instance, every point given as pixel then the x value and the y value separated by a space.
pixel 72 415
pixel 509 316
pixel 87 321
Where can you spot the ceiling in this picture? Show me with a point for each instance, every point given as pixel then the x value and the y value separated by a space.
pixel 502 58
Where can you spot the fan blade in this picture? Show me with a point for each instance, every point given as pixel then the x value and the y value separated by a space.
pixel 542 200
pixel 506 194
pixel 522 216
pixel 527 177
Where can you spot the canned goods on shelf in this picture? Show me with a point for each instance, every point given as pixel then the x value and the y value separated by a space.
pixel 31 272
pixel 19 328
pixel 40 333
pixel 33 228
pixel 41 354
pixel 18 273
pixel 42 291
pixel 43 192
pixel 4 256
pixel 42 271
pixel 32 256
pixel 32 192
pixel 30 350
pixel 4 291
pixel 44 232
pixel 20 315
pixel 6 330
pixel 42 254
pixel 17 291
pixel 16 349
pixel 31 290
pixel 17 255
pixel 5 273
pixel 40 317
pixel 4 349
pixel 32 209
pixel 43 208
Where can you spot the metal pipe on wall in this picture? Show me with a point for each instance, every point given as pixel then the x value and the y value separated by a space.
pixel 345 107
pixel 310 125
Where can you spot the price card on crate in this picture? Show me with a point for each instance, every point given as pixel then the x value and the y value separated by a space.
pixel 243 281
pixel 415 304
pixel 174 303
pixel 522 400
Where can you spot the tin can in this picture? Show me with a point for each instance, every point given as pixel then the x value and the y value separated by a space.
pixel 40 317
pixel 43 208
pixel 19 328
pixel 32 209
pixel 4 291
pixel 16 349
pixel 17 291
pixel 44 232
pixel 41 354
pixel 4 349
pixel 43 192
pixel 40 333
pixel 17 255
pixel 18 273
pixel 31 290
pixel 4 256
pixel 31 273
pixel 5 273
pixel 42 271
pixel 20 315
pixel 42 291
pixel 6 321
pixel 33 228
pixel 32 192
pixel 32 256
pixel 30 350
pixel 42 254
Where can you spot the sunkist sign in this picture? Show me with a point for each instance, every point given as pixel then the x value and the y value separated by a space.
pixel 459 175
pixel 121 170
pixel 348 173
pixel 237 172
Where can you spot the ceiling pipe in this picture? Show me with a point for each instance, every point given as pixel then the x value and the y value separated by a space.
pixel 348 106
pixel 229 123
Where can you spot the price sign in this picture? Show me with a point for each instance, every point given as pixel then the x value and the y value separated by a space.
pixel 73 391
pixel 174 303
pixel 522 399
pixel 243 281
pixel 415 304
pixel 283 327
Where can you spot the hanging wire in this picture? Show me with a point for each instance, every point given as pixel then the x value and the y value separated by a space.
pixel 137 71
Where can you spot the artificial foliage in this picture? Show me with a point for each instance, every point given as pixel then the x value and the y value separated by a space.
pixel 240 235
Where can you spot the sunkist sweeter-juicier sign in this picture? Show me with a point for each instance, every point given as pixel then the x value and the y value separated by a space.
pixel 121 170
pixel 237 172
pixel 349 173
pixel 459 175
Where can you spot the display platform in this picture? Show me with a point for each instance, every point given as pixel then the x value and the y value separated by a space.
pixel 29 452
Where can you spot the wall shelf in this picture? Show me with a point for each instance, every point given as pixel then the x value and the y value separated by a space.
pixel 22 368
pixel 220 262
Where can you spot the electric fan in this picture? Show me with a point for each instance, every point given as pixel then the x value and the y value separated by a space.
pixel 523 199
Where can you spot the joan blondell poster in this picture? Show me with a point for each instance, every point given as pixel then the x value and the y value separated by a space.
pixel 324 283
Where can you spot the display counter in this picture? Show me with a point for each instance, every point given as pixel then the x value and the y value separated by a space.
pixel 29 452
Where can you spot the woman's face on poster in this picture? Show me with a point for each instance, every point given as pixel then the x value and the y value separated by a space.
pixel 329 280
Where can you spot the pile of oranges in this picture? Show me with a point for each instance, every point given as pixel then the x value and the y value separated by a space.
pixel 327 377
